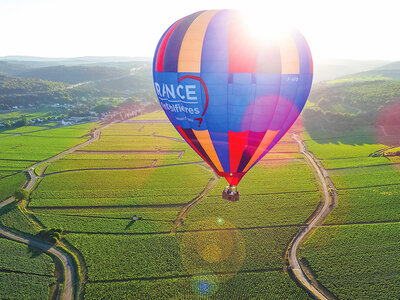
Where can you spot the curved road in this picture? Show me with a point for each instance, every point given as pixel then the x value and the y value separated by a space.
pixel 66 260
pixel 318 218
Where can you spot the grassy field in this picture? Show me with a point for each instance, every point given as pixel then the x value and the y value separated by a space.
pixel 353 255
pixel 10 184
pixel 356 261
pixel 12 218
pixel 95 209
pixel 157 115
pixel 29 113
pixel 273 284
pixel 24 274
pixel 140 186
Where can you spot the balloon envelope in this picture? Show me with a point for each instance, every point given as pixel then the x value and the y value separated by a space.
pixel 231 94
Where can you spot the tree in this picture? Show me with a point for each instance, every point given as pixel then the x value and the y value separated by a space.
pixel 21 194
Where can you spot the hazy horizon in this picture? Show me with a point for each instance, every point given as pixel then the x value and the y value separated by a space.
pixel 361 30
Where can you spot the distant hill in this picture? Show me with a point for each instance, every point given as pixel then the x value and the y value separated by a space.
pixel 348 105
pixel 73 74
pixel 72 60
pixel 12 68
pixel 325 70
pixel 21 91
pixel 386 72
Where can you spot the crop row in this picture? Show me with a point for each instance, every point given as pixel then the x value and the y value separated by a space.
pixel 122 157
pixel 12 218
pixel 258 210
pixel 356 261
pixel 77 164
pixel 354 162
pixel 179 177
pixel 364 177
pixel 160 255
pixel 9 184
pixel 133 143
pixel 27 147
pixel 348 148
pixel 373 204
pixel 24 286
pixel 157 115
pixel 285 176
pixel 17 260
pixel 109 221
pixel 272 284
pixel 93 199
pixel 20 260
pixel 132 129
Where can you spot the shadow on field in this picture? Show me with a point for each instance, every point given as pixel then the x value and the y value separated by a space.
pixel 33 252
pixel 144 219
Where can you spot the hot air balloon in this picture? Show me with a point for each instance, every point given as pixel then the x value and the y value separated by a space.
pixel 231 94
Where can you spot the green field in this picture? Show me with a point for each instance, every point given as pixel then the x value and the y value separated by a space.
pixel 10 184
pixel 353 255
pixel 273 284
pixel 137 186
pixel 157 115
pixel 95 210
pixel 356 261
pixel 24 274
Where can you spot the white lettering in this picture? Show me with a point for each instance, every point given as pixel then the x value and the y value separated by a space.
pixel 170 91
pixel 178 91
pixel 158 90
pixel 189 92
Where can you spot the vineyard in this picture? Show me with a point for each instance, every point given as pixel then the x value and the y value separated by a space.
pixel 24 274
pixel 141 169
pixel 354 253
pixel 119 201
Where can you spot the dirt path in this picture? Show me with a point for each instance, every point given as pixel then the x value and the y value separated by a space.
pixel 31 171
pixel 186 209
pixel 66 260
pixel 329 202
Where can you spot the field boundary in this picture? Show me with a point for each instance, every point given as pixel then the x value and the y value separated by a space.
pixel 299 271
pixel 71 288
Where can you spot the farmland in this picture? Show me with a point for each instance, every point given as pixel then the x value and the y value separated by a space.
pixel 139 169
pixel 353 254
pixel 357 261
pixel 142 169
pixel 24 274
pixel 24 146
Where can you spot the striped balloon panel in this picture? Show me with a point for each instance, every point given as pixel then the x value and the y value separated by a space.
pixel 230 95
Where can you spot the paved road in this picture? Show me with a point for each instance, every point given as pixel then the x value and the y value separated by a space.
pixel 322 214
pixel 69 267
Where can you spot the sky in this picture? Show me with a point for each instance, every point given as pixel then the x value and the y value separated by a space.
pixel 350 29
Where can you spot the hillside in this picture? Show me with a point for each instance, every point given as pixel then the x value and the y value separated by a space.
pixel 330 69
pixel 19 91
pixel 386 72
pixel 349 105
pixel 10 68
pixel 73 74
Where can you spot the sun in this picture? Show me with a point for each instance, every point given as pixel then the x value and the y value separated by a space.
pixel 266 25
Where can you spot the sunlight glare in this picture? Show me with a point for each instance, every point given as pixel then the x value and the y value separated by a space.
pixel 266 26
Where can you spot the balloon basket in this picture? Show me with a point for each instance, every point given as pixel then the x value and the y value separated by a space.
pixel 230 193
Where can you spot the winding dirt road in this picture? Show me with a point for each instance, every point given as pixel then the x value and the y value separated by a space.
pixel 66 260
pixel 69 270
pixel 315 220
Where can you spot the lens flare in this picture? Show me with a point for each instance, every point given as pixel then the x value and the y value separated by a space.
pixel 205 283
pixel 214 245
